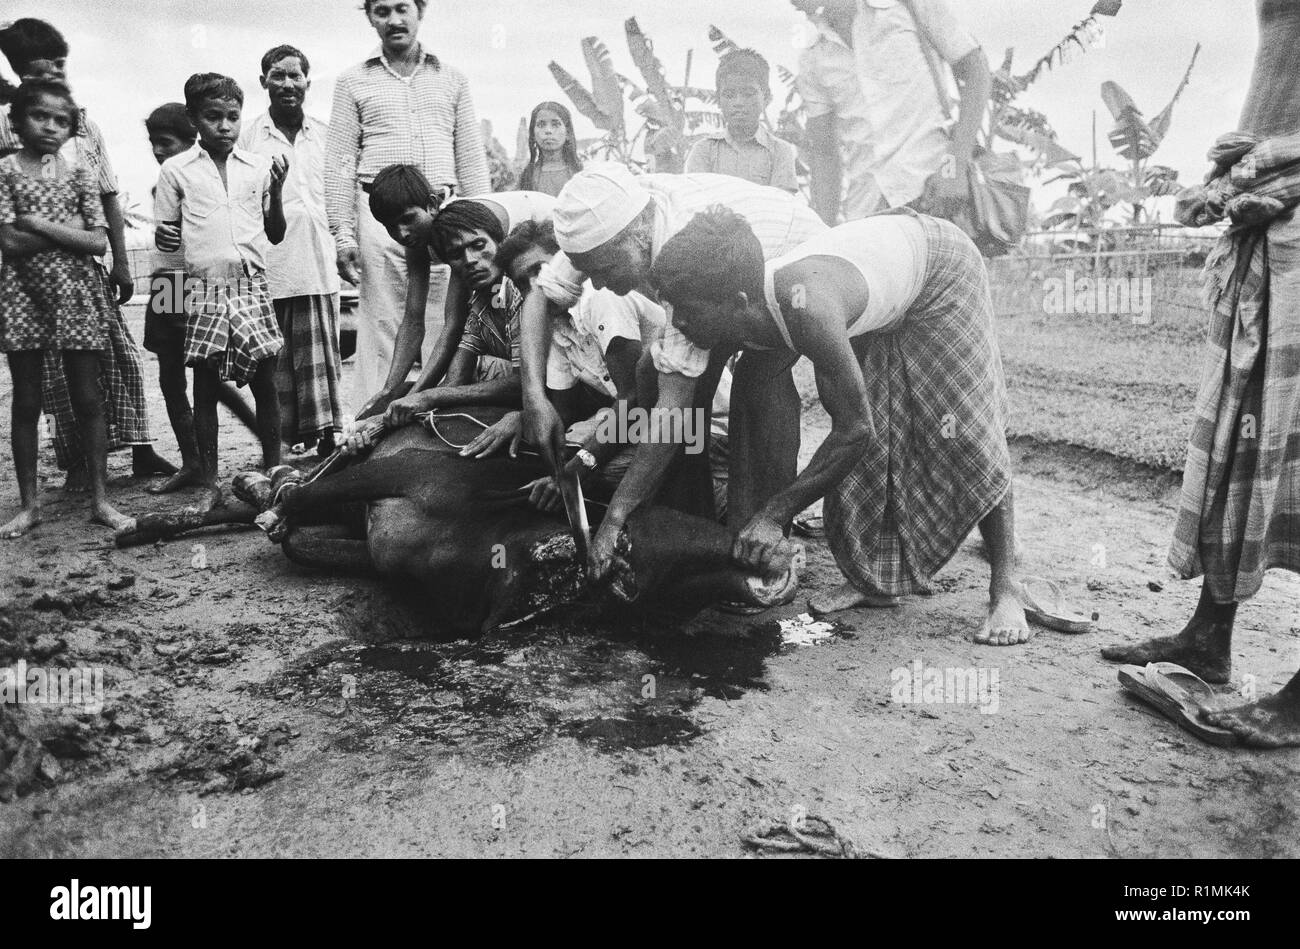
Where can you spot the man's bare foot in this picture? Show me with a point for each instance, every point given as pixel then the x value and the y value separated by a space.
pixel 1006 624
pixel 78 479
pixel 845 597
pixel 146 463
pixel 1202 647
pixel 184 478
pixel 104 513
pixel 25 521
pixel 1272 722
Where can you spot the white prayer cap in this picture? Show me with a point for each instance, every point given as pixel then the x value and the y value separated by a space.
pixel 595 205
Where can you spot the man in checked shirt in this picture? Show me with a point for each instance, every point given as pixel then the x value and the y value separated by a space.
pixel 400 105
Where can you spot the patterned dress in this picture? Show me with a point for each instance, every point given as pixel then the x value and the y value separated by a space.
pixel 54 299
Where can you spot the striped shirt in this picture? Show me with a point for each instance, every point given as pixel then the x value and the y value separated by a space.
pixel 780 221
pixel 492 330
pixel 380 118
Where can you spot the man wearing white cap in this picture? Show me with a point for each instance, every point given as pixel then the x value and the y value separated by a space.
pixel 610 226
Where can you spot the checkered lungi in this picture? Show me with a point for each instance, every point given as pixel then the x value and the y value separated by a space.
pixel 230 327
pixel 121 377
pixel 938 461
pixel 1240 507
pixel 309 371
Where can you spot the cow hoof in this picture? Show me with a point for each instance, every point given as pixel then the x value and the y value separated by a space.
pixel 282 475
pixel 273 525
pixel 253 488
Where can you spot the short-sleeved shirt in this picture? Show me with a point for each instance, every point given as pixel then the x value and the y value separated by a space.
pixel 222 228
pixel 764 159
pixel 780 221
pixel 303 263
pixel 380 118
pixel 493 330
pixel 580 341
pixel 882 92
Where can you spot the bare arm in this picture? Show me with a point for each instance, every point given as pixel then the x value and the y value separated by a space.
pixel 78 240
pixel 455 316
pixel 410 335
pixel 976 84
pixel 825 167
pixel 16 243
pixel 460 391
pixel 542 425
pixel 273 218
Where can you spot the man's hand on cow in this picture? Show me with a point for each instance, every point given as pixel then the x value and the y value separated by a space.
pixel 544 494
pixel 508 431
pixel 403 411
pixel 600 555
pixel 757 544
pixel 358 442
pixel 349 263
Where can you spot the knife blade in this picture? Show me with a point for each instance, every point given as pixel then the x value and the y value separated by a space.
pixel 575 509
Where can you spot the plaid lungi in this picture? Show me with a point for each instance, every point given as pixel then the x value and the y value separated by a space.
pixel 230 327
pixel 121 378
pixel 938 461
pixel 309 372
pixel 1240 507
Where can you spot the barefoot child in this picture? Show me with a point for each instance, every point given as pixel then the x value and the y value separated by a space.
pixel 894 313
pixel 51 226
pixel 552 150
pixel 37 50
pixel 226 203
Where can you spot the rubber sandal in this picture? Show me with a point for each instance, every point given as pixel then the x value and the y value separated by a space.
pixel 1180 695
pixel 811 525
pixel 1046 604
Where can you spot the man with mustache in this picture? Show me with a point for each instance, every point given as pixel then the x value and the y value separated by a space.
pixel 300 269
pixel 400 105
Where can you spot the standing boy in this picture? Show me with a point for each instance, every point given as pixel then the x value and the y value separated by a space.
pixel 301 272
pixel 227 203
pixel 745 148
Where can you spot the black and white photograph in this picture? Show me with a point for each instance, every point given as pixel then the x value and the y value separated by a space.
pixel 636 429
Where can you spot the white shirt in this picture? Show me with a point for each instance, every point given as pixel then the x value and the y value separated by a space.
pixel 888 113
pixel 303 264
pixel 222 228
pixel 780 221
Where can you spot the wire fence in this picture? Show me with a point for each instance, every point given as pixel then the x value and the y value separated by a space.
pixel 1077 270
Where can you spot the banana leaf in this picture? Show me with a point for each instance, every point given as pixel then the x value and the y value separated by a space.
pixel 583 100
pixel 643 54
pixel 1131 136
pixel 1160 124
pixel 707 96
pixel 1037 142
pixel 604 81
pixel 786 76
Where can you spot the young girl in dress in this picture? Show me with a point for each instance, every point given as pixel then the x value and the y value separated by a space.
pixel 552 150
pixel 51 298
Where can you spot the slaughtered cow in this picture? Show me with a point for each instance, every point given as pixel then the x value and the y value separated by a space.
pixel 462 534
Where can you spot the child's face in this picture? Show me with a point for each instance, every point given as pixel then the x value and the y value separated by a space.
pixel 549 132
pixel 742 102
pixel 472 257
pixel 218 123
pixel 411 227
pixel 46 124
pixel 165 145
pixel 286 83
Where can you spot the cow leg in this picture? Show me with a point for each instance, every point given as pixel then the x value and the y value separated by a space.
pixel 332 547
pixel 392 477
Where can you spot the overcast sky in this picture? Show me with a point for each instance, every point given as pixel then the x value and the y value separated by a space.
pixel 130 55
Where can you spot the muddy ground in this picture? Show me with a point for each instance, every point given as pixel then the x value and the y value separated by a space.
pixel 256 709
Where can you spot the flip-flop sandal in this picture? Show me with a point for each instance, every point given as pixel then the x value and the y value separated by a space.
pixel 1046 604
pixel 813 526
pixel 1180 695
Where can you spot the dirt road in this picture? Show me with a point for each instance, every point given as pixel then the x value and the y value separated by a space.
pixel 255 709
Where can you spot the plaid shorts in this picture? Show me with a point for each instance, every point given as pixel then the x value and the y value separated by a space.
pixel 230 327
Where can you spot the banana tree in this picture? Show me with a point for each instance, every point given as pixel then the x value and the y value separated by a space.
pixel 1137 140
